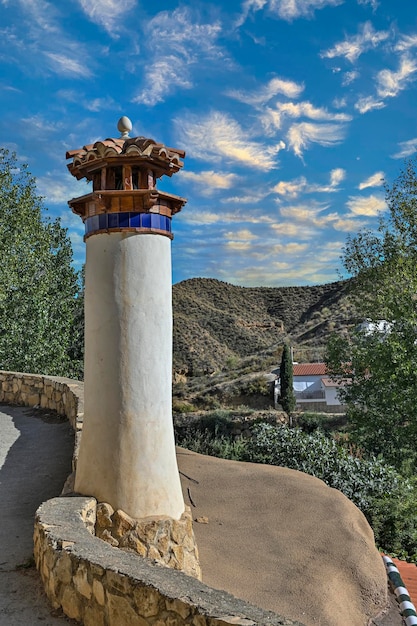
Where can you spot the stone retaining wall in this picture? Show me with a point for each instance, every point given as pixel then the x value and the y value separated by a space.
pixel 95 583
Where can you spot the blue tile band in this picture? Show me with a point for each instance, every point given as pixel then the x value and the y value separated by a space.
pixel 120 221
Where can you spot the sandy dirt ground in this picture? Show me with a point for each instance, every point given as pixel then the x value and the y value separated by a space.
pixel 236 500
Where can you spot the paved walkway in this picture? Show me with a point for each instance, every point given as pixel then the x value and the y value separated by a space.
pixel 35 459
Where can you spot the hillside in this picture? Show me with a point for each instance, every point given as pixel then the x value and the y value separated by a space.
pixel 216 324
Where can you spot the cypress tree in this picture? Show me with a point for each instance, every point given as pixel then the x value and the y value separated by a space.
pixel 286 378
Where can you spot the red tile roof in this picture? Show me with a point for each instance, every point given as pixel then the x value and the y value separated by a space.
pixel 309 369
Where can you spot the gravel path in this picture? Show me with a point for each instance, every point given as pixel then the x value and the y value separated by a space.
pixel 35 459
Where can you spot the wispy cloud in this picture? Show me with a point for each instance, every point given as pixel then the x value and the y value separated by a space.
pixel 209 181
pixel 247 7
pixel 406 42
pixel 63 65
pixel 273 118
pixel 390 83
pixel 369 103
pixel 369 207
pixel 407 148
pixel 44 35
pixel 300 136
pixel 224 217
pixel 288 10
pixel 352 47
pixel 349 77
pixel 107 13
pixel 372 3
pixel 294 188
pixel 376 180
pixel 264 94
pixel 177 43
pixel 219 135
pixel 58 189
pixel 348 225
pixel 310 214
pixel 292 9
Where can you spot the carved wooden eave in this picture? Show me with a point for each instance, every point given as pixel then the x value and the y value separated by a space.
pixel 108 201
pixel 139 151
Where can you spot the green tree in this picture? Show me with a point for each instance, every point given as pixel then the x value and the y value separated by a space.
pixel 38 285
pixel 379 360
pixel 286 379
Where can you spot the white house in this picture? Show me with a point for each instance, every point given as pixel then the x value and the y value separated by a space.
pixel 314 389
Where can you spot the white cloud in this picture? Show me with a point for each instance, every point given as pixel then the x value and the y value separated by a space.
pixel 372 3
pixel 261 96
pixel 294 188
pixel 107 13
pixel 406 42
pixel 407 148
pixel 247 7
pixel 248 198
pixel 352 47
pixel 368 103
pixel 274 117
pixel 58 189
pixel 209 181
pixel 369 207
pixel 101 104
pixel 35 46
pixel 346 225
pixel 292 9
pixel 285 9
pixel 177 43
pixel 389 83
pixel 349 77
pixel 224 217
pixel 300 135
pixel 308 214
pixel 244 235
pixel 291 248
pixel 376 180
pixel 219 136
pixel 62 64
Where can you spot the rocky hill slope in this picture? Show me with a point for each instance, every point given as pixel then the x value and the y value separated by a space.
pixel 216 324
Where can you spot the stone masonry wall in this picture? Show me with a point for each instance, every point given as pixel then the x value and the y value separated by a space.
pixel 95 583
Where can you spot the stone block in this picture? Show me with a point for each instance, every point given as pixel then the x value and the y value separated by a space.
pixel 72 604
pixel 63 568
pixel 131 541
pixel 178 607
pixel 122 523
pixel 93 616
pixel 147 601
pixel 81 583
pixel 98 592
pixel 120 611
pixel 114 581
pixel 104 513
pixel 147 531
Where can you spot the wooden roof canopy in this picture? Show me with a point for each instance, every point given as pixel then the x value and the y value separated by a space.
pixel 124 173
pixel 139 151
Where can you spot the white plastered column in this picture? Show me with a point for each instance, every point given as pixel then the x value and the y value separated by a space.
pixel 127 451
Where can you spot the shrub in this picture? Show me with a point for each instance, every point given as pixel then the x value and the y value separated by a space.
pixel 388 500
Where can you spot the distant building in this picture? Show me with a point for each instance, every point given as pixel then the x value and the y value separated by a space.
pixel 314 390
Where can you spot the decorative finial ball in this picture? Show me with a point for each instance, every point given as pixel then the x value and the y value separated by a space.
pixel 124 126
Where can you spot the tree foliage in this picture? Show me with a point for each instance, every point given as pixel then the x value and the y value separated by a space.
pixel 38 285
pixel 380 360
pixel 286 377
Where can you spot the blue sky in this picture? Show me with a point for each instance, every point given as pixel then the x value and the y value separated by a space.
pixel 291 112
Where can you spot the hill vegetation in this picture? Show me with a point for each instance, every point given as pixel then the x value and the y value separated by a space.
pixel 216 324
pixel 228 339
